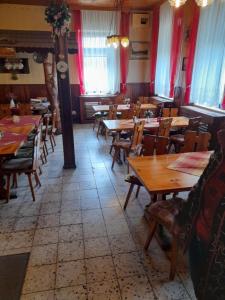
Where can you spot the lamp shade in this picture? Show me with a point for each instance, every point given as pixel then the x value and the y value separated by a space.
pixel 203 3
pixel 177 3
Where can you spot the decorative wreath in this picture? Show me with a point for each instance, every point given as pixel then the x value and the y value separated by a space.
pixel 59 16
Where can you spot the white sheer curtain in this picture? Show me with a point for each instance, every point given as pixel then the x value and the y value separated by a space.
pixel 208 79
pixel 162 77
pixel 101 64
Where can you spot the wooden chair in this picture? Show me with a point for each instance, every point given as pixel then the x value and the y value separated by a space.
pixel 164 127
pixel 151 145
pixel 203 140
pixel 129 146
pixel 178 139
pixel 25 109
pixel 4 110
pixel 195 142
pixel 169 112
pixel 28 165
pixel 163 213
pixel 111 116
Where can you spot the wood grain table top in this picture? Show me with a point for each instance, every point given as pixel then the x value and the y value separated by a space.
pixel 121 107
pixel 152 171
pixel 119 125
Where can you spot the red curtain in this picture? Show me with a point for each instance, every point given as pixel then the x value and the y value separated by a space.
pixel 154 46
pixel 124 52
pixel 79 55
pixel 175 46
pixel 223 103
pixel 191 53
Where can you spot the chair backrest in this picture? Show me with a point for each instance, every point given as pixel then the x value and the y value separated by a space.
pixel 46 121
pixel 164 127
pixel 112 112
pixel 153 144
pixel 137 134
pixel 25 109
pixel 137 110
pixel 4 110
pixel 166 112
pixel 190 138
pixel 143 99
pixel 174 112
pixel 194 123
pixel 203 141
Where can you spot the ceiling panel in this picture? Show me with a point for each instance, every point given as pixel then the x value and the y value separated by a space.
pixel 129 4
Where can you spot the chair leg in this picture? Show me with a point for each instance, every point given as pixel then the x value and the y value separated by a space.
pixel 128 195
pixel 137 192
pixel 53 138
pixel 8 188
pixel 38 183
pixel 151 234
pixel 46 148
pixel 173 262
pixel 111 147
pixel 99 128
pixel 51 142
pixel 115 156
pixel 44 153
pixel 31 185
pixel 15 184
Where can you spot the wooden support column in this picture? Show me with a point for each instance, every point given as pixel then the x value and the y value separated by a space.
pixel 61 49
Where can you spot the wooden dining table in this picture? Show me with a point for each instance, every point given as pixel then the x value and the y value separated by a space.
pixel 152 123
pixel 159 177
pixel 122 107
pixel 13 133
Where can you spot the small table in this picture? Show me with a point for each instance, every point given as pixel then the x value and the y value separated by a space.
pixel 157 178
pixel 119 125
pixel 121 107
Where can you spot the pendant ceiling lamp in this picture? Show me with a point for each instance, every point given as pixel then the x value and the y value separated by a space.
pixel 203 3
pixel 177 3
pixel 115 40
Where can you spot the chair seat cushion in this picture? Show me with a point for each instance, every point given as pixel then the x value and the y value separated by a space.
pixel 27 144
pixel 24 153
pixel 164 212
pixel 100 114
pixel 177 138
pixel 133 179
pixel 17 164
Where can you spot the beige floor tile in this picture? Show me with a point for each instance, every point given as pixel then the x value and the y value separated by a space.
pixel 117 226
pixel 70 196
pixel 43 255
pixel 6 225
pixel 25 223
pixel 17 251
pixel 51 197
pixel 48 295
pixel 72 293
pixel 20 239
pixel 3 240
pixel 71 251
pixel 70 273
pixel 68 206
pixel 121 243
pixel 45 221
pixel 29 209
pixel 70 233
pixel 41 278
pixel 46 236
pixel 70 187
pixel 105 290
pixel 170 290
pixel 94 230
pixel 136 287
pixel 92 216
pixel 90 203
pixel 100 269
pixel 97 247
pixel 69 218
pixel 50 208
pixel 128 264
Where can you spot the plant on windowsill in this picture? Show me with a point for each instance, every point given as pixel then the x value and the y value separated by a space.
pixel 59 17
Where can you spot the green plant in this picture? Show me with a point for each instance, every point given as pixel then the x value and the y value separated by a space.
pixel 59 16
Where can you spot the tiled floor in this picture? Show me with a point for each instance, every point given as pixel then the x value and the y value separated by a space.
pixel 82 244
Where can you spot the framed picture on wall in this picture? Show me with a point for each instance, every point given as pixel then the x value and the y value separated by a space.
pixel 139 50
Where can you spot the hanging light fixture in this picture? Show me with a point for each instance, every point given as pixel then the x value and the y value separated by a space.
pixel 177 3
pixel 203 3
pixel 115 40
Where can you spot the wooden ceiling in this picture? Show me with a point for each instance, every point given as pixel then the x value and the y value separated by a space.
pixel 94 4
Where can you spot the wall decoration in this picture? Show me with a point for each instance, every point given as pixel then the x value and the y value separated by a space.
pixel 139 50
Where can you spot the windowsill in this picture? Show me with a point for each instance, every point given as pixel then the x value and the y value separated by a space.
pixel 218 110
pixel 99 95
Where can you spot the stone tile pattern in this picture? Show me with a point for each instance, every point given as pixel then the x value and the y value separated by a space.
pixel 82 244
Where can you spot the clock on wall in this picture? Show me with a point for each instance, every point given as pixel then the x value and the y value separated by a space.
pixel 62 66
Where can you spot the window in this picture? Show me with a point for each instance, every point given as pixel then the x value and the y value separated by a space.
pixel 162 77
pixel 208 79
pixel 101 64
